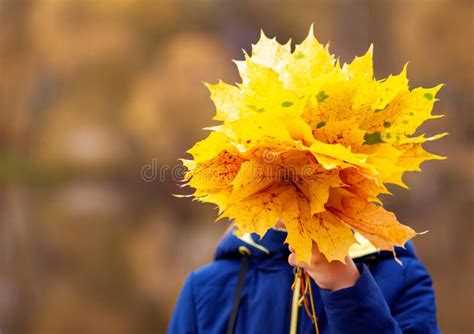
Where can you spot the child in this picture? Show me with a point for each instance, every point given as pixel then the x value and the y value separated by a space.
pixel 248 289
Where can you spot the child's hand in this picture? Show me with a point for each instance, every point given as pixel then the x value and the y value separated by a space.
pixel 331 276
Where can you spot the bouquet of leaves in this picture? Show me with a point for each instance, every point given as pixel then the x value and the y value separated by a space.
pixel 309 142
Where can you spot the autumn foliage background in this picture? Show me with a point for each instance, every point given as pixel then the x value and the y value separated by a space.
pixel 91 92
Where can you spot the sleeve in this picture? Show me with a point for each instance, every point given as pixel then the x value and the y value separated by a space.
pixel 415 309
pixel 362 308
pixel 183 320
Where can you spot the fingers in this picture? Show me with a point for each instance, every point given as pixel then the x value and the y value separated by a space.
pixel 293 261
pixel 317 258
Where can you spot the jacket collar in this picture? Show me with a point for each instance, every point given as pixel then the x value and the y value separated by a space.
pixel 271 245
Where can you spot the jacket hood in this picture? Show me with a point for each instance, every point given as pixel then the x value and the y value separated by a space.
pixel 272 246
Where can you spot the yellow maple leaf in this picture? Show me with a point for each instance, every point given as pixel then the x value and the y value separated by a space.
pixel 210 147
pixel 332 236
pixel 379 226
pixel 316 189
pixel 311 143
pixel 343 132
pixel 259 212
pixel 267 52
pixel 252 178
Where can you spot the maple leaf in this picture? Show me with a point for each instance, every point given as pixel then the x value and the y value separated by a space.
pixel 311 143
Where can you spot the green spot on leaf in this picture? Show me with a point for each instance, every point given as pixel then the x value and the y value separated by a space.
pixel 299 55
pixel 255 108
pixel 428 96
pixel 373 138
pixel 386 124
pixel 405 121
pixel 320 124
pixel 321 96
pixel 379 110
pixel 411 113
pixel 388 135
pixel 287 104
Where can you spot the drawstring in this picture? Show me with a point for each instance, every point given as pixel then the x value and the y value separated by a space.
pixel 312 313
pixel 238 290
pixel 301 289
pixel 296 288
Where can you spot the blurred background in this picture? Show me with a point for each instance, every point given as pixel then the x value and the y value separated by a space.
pixel 95 92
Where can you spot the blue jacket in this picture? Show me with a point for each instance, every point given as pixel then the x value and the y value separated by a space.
pixel 387 298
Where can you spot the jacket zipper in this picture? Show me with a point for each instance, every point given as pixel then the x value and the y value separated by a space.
pixel 294 303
